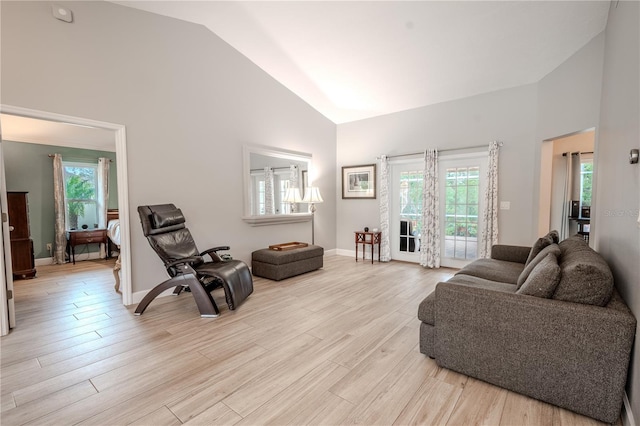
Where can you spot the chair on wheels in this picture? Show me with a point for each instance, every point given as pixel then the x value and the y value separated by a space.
pixel 164 227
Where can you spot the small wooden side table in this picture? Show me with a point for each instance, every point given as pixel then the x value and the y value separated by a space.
pixel 84 236
pixel 370 238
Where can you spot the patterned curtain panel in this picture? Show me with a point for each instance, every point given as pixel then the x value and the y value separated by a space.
pixel 58 200
pixel 103 191
pixel 269 201
pixel 385 248
pixel 430 235
pixel 489 235
pixel 293 183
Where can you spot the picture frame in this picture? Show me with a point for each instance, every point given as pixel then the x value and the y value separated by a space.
pixel 359 182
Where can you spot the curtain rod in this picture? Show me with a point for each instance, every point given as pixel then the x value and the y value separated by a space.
pixel 272 168
pixel 564 154
pixel 80 158
pixel 440 150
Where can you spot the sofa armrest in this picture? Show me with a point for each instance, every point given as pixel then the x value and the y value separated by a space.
pixel 517 254
pixel 571 355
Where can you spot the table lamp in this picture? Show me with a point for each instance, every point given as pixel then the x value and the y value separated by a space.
pixel 292 196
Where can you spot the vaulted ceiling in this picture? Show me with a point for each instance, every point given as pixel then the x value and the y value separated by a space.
pixel 352 60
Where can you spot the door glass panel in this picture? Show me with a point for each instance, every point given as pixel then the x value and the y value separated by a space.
pixel 461 212
pixel 410 197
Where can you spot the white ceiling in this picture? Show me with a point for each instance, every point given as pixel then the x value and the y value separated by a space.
pixel 23 129
pixel 352 60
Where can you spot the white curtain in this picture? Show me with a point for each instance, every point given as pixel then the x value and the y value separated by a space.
pixel 269 201
pixel 103 191
pixel 430 234
pixel 489 235
pixel 385 248
pixel 59 209
pixel 103 196
pixel 569 179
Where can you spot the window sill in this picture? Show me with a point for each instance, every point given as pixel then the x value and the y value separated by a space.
pixel 277 219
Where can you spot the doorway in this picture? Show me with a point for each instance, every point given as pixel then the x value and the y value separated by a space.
pixel 117 132
pixel 567 181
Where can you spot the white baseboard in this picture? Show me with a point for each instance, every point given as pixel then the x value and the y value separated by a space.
pixel 79 258
pixel 332 252
pixel 627 414
pixel 44 261
pixel 138 295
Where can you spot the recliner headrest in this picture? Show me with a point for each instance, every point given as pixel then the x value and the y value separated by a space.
pixel 163 219
pixel 160 218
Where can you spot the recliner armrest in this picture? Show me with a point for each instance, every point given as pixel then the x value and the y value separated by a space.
pixel 186 260
pixel 509 253
pixel 213 252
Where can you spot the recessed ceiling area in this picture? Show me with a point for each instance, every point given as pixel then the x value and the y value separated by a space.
pixel 352 60
pixel 31 130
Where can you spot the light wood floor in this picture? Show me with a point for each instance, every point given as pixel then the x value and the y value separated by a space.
pixel 335 346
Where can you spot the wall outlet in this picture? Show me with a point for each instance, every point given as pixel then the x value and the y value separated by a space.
pixel 505 205
pixel 49 247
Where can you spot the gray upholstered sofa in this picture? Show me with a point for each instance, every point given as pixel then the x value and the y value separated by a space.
pixel 546 322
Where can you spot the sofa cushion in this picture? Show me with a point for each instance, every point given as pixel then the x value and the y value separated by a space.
pixel 551 248
pixel 586 277
pixel 542 242
pixel 543 279
pixel 494 270
pixel 427 308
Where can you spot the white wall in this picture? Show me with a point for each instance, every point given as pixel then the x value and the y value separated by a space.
pixel 189 102
pixel 507 115
pixel 617 232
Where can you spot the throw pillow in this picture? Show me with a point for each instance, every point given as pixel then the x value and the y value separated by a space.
pixel 540 244
pixel 555 236
pixel 551 248
pixel 543 279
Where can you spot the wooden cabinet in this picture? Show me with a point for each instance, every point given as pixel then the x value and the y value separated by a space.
pixel 22 259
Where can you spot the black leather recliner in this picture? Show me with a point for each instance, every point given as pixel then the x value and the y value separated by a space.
pixel 164 227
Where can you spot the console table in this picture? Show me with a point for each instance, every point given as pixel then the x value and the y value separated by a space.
pixel 84 236
pixel 370 238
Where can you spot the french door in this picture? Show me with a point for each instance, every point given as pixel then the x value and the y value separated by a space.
pixel 406 210
pixel 461 179
pixel 462 183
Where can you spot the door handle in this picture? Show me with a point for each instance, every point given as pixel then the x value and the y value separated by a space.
pixel 11 228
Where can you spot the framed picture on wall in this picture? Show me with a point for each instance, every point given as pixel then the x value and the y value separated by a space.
pixel 359 182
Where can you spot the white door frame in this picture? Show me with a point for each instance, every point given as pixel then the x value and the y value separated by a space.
pixel 123 186
pixel 7 310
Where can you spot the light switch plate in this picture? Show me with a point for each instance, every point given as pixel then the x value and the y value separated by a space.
pixel 505 205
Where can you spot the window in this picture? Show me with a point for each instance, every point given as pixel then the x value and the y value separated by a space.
pixel 81 194
pixel 586 182
pixel 280 184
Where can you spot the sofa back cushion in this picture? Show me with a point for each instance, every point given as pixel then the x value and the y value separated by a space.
pixel 586 277
pixel 551 248
pixel 543 279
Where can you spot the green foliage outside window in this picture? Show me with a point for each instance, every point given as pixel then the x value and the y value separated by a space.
pixel 80 189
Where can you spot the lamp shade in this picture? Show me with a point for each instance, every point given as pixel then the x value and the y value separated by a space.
pixel 292 196
pixel 312 195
